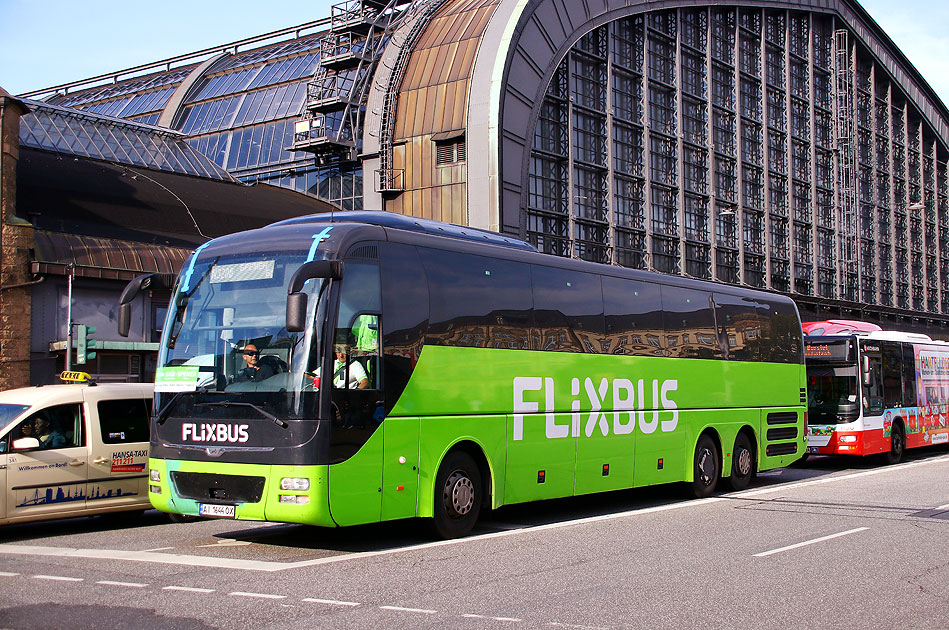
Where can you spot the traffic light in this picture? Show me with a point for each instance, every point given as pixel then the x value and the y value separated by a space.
pixel 85 344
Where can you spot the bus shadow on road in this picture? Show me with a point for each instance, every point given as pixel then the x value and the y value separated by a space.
pixel 410 532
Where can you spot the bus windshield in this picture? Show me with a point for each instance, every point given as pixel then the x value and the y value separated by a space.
pixel 831 394
pixel 226 335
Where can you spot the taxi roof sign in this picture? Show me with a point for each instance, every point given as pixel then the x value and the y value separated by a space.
pixel 74 377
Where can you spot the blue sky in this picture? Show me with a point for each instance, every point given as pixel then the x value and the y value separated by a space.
pixel 49 42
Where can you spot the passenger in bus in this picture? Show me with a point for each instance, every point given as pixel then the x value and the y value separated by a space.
pixel 255 370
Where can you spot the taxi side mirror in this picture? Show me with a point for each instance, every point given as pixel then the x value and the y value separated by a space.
pixel 25 444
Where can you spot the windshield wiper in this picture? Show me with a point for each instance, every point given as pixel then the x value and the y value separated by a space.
pixel 162 414
pixel 277 421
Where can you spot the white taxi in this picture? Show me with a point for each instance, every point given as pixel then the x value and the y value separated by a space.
pixel 73 450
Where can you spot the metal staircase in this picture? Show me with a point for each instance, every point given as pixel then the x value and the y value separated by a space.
pixel 330 122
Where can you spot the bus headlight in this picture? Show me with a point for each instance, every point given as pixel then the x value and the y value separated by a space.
pixel 848 439
pixel 299 499
pixel 294 483
pixel 154 475
pixel 154 489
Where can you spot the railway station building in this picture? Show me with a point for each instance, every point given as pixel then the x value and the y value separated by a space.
pixel 782 145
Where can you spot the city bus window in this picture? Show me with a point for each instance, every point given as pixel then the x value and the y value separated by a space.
pixel 568 309
pixel 909 376
pixel 633 312
pixel 688 312
pixel 892 375
pixel 477 301
pixel 872 387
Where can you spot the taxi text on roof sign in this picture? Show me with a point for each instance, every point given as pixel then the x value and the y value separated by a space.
pixel 74 377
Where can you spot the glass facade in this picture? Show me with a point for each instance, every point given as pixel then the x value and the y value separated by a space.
pixel 705 142
pixel 241 114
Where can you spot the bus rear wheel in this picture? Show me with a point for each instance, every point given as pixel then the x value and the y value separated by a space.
pixel 743 463
pixel 897 445
pixel 706 468
pixel 458 495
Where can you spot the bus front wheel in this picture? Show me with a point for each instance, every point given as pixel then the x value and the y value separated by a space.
pixel 897 445
pixel 743 463
pixel 706 468
pixel 457 495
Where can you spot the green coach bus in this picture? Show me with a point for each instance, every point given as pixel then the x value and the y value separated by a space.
pixel 365 366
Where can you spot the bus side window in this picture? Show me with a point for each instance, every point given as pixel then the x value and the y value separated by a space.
pixel 633 311
pixel 872 390
pixel 909 376
pixel 688 312
pixel 365 332
pixel 892 375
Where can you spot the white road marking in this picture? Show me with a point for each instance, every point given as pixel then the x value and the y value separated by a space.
pixel 8 574
pixel 942 507
pixel 188 589
pixel 330 602
pixel 159 549
pixel 127 584
pixel 260 565
pixel 810 542
pixel 422 611
pixel 228 542
pixel 57 578
pixel 258 595
pixel 509 619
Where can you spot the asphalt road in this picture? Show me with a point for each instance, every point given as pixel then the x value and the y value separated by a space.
pixel 832 543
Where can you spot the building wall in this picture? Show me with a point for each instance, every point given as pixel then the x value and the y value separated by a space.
pixel 16 240
pixel 431 114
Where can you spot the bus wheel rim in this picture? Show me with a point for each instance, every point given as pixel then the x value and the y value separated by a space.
pixel 706 466
pixel 459 494
pixel 744 462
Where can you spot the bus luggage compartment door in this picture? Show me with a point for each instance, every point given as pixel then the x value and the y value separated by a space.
pixel 400 474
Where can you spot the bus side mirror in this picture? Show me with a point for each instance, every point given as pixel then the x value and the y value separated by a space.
pixel 296 312
pixel 866 370
pixel 296 300
pixel 160 281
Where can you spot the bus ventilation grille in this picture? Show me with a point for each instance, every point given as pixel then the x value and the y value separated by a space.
pixel 783 433
pixel 783 417
pixel 803 396
pixel 781 449
pixel 225 488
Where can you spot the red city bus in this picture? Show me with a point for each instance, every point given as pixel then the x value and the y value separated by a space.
pixel 876 393
pixel 838 327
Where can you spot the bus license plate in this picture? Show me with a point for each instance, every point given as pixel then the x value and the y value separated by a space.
pixel 215 510
pixel 812 450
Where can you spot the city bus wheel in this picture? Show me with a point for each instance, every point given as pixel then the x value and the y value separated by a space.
pixel 743 463
pixel 897 445
pixel 457 495
pixel 706 468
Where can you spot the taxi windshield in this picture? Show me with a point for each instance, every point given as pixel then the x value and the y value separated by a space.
pixel 9 413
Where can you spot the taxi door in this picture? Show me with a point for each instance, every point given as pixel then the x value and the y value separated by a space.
pixel 49 481
pixel 118 459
